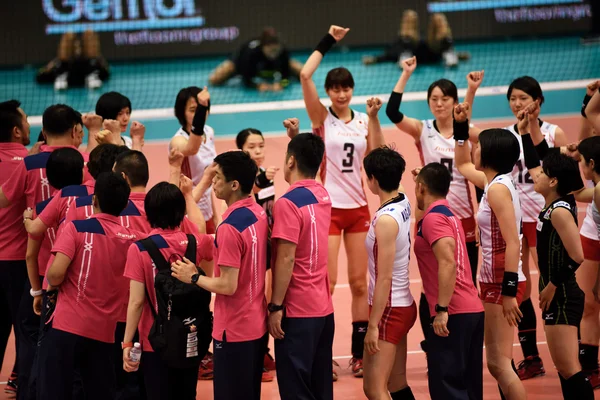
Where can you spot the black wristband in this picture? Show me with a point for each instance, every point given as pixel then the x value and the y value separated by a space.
pixel 566 271
pixel 325 44
pixel 261 180
pixel 510 284
pixel 199 120
pixel 461 130
pixel 532 159
pixel 542 149
pixel 392 110
pixel 586 100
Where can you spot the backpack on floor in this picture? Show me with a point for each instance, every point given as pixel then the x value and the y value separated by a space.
pixel 182 329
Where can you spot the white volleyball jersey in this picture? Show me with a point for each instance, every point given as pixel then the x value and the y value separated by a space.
pixel 493 246
pixel 400 295
pixel 588 227
pixel 127 141
pixel 193 167
pixel 531 201
pixel 433 147
pixel 345 148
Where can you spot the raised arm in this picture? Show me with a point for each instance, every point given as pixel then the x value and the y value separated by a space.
pixel 375 137
pixel 462 151
pixel 189 147
pixel 317 111
pixel 592 111
pixel 474 80
pixel 409 125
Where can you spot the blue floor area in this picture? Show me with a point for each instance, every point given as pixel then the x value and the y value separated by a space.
pixel 155 84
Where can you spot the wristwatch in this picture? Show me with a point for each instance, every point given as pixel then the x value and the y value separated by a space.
pixel 274 307
pixel 439 309
pixel 195 278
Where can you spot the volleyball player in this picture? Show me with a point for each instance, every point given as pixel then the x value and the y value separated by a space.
pixel 90 259
pixel 301 311
pixel 499 220
pixel 434 140
pixel 392 308
pixel 14 136
pixel 560 254
pixel 593 111
pixel 345 133
pixel 240 330
pixel 113 106
pixel 165 207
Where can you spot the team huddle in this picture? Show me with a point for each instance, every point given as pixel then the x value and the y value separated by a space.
pixel 108 282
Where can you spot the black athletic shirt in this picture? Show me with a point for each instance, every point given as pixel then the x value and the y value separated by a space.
pixel 266 197
pixel 552 255
pixel 251 63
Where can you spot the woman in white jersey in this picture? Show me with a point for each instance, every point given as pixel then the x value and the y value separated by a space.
pixel 521 93
pixel 197 144
pixel 499 219
pixel 392 308
pixel 344 132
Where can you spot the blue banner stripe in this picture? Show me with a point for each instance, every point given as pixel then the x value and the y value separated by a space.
pixel 111 26
pixel 487 4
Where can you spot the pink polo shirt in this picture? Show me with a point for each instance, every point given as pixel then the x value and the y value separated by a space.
pixel 89 298
pixel 13 237
pixel 302 216
pixel 439 222
pixel 140 267
pixel 48 238
pixel 241 242
pixel 56 210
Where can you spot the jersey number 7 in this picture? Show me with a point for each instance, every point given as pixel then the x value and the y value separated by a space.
pixel 448 162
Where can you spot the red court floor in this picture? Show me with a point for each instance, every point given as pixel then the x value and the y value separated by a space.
pixel 348 387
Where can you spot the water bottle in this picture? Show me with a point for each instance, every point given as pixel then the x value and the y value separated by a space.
pixel 136 353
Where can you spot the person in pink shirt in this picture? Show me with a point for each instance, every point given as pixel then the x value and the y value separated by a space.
pixel 14 136
pixel 165 207
pixel 455 340
pixel 90 259
pixel 240 328
pixel 301 310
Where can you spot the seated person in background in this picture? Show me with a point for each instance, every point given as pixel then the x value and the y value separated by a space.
pixel 78 63
pixel 438 46
pixel 264 63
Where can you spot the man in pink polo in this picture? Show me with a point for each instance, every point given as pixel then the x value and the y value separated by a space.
pixel 90 260
pixel 301 310
pixel 240 328
pixel 14 136
pixel 455 340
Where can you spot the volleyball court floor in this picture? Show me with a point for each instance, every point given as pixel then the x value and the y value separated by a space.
pixel 348 387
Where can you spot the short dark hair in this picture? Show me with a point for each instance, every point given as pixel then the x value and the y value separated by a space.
pixel 436 177
pixel 238 166
pixel 59 119
pixel 387 166
pixel 102 158
pixel 165 206
pixel 242 136
pixel 64 168
pixel 269 36
pixel 112 193
pixel 565 170
pixel 308 150
pixel 134 165
pixel 500 150
pixel 110 104
pixel 447 87
pixel 9 118
pixel 528 85
pixel 339 77
pixel 590 150
pixel 181 100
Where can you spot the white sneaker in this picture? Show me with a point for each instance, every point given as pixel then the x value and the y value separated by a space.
pixel 61 83
pixel 93 81
pixel 450 58
pixel 405 55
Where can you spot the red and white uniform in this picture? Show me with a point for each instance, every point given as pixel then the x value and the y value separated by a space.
pixel 13 237
pixel 434 147
pixel 493 246
pixel 193 167
pixel 531 201
pixel 345 148
pixel 588 227
pixel 400 295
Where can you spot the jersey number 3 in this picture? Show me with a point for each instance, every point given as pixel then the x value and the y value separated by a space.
pixel 348 160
